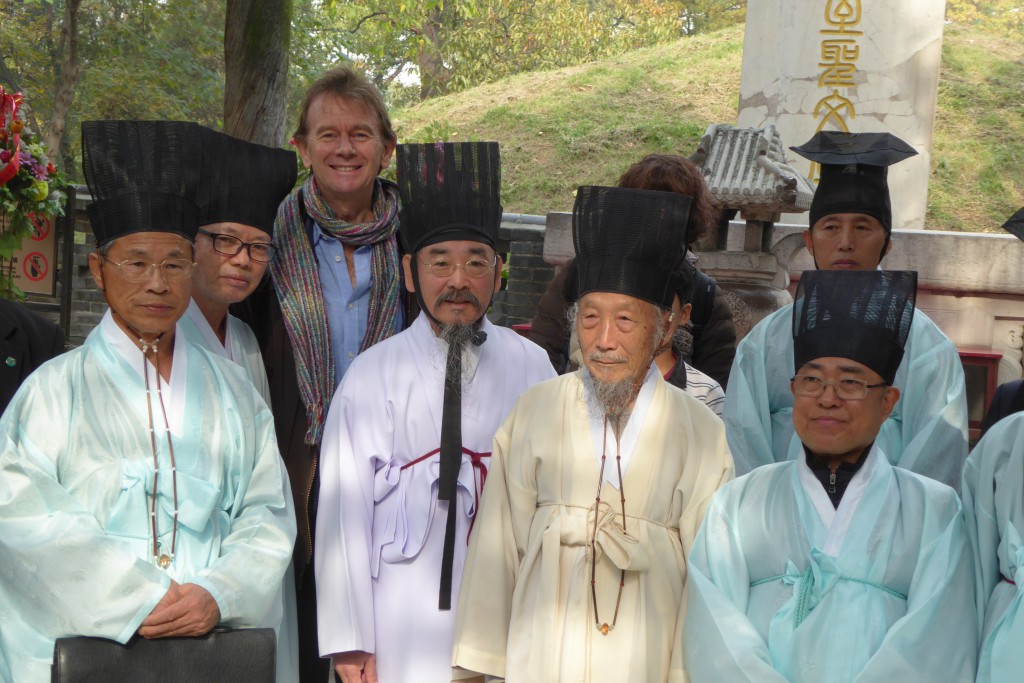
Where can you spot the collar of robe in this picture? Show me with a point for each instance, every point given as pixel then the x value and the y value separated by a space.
pixel 835 483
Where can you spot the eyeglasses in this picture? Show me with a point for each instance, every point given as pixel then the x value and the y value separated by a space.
pixel 474 268
pixel 228 245
pixel 847 388
pixel 172 269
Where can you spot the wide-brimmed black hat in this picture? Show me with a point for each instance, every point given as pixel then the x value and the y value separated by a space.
pixel 450 191
pixel 242 182
pixel 630 242
pixel 143 176
pixel 862 315
pixel 854 171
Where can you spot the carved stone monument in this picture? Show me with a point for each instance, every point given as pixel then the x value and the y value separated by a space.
pixel 852 65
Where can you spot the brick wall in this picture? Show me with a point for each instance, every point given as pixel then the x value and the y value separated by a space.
pixel 528 274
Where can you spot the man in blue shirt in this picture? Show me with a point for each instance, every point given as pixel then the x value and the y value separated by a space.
pixel 336 289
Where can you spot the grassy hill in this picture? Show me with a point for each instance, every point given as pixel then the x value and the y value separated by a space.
pixel 586 124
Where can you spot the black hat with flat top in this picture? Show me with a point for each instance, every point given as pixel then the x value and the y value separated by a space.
pixel 450 191
pixel 854 171
pixel 862 315
pixel 243 182
pixel 143 176
pixel 630 242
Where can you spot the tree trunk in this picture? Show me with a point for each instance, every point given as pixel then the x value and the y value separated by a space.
pixel 54 133
pixel 434 76
pixel 256 37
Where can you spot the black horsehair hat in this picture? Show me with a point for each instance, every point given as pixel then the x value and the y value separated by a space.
pixel 862 315
pixel 143 176
pixel 854 170
pixel 630 242
pixel 242 182
pixel 450 191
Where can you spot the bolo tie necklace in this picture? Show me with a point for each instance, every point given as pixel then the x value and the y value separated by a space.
pixel 605 628
pixel 162 559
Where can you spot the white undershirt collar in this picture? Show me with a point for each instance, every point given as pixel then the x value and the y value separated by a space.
pixel 627 442
pixel 173 391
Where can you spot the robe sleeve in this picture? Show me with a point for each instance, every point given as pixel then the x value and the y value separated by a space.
pixel 496 549
pixel 246 577
pixel 344 522
pixel 62 574
pixel 747 413
pixel 720 643
pixel 715 458
pixel 993 502
pixel 933 409
pixel 937 639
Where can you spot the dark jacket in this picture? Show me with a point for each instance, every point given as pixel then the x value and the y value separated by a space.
pixel 26 342
pixel 262 312
pixel 713 350
pixel 1008 399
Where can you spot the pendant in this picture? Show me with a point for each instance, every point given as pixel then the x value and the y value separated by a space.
pixel 604 629
pixel 164 561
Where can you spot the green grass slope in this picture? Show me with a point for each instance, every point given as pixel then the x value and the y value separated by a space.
pixel 586 124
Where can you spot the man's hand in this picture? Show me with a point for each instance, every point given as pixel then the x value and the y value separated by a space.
pixel 185 610
pixel 356 667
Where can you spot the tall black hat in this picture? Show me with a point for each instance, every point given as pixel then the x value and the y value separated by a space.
pixel 630 242
pixel 862 315
pixel 1015 225
pixel 242 182
pixel 450 191
pixel 854 170
pixel 143 176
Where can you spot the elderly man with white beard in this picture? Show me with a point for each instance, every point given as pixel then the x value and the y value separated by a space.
pixel 560 585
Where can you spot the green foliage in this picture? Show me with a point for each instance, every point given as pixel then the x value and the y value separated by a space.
pixel 566 127
pixel 1000 16
pixel 459 44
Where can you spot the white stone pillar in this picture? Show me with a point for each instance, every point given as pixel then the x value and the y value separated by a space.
pixel 856 65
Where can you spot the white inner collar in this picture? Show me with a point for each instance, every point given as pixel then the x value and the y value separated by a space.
pixel 173 392
pixel 630 434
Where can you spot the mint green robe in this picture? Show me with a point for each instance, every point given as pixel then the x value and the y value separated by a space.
pixel 785 588
pixel 75 467
pixel 926 432
pixel 993 490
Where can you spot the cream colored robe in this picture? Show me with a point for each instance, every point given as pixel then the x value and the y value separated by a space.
pixel 525 610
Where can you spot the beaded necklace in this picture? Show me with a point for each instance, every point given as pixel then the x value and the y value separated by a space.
pixel 605 628
pixel 163 560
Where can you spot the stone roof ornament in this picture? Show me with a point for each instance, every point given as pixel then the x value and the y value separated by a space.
pixel 747 171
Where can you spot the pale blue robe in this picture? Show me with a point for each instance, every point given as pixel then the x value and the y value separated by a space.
pixel 993 490
pixel 239 345
pixel 885 579
pixel 926 432
pixel 75 467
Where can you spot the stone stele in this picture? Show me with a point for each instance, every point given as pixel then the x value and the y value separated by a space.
pixel 856 65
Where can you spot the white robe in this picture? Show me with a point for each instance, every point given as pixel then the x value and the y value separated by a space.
pixel 926 432
pixel 380 528
pixel 525 611
pixel 993 490
pixel 239 345
pixel 784 587
pixel 76 473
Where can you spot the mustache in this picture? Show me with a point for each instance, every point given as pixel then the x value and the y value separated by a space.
pixel 599 357
pixel 457 296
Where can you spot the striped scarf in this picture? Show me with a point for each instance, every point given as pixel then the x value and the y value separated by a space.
pixel 297 281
